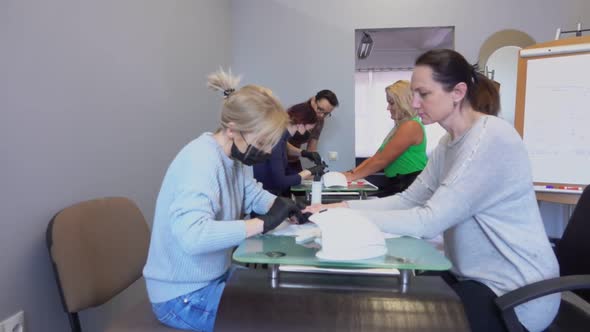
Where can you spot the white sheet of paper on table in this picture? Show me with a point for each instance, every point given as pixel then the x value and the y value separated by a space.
pixel 313 269
pixel 310 231
pixel 302 233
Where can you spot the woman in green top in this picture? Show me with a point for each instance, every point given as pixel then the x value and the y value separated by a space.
pixel 402 156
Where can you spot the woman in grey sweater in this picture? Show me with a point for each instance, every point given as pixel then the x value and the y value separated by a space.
pixel 477 189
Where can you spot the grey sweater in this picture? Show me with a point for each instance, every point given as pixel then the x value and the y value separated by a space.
pixel 478 190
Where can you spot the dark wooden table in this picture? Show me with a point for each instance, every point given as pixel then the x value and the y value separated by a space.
pixel 324 302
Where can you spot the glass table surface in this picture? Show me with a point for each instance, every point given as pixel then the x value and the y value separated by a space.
pixel 403 253
pixel 354 186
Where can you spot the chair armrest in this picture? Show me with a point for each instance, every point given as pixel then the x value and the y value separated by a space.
pixel 542 288
pixel 508 301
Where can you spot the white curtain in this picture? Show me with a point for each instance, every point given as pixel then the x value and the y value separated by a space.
pixel 372 120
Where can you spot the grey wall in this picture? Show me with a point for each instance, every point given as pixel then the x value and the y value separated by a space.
pixel 96 97
pixel 299 47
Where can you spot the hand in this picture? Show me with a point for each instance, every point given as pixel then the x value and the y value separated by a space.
pixel 313 156
pixel 318 169
pixel 304 216
pixel 281 209
pixel 305 174
pixel 349 176
pixel 315 208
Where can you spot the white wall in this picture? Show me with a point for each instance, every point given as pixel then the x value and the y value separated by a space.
pixel 299 47
pixel 96 97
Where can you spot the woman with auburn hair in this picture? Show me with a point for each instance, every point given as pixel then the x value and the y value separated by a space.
pixel 273 173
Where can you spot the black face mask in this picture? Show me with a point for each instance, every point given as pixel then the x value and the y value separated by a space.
pixel 299 137
pixel 252 155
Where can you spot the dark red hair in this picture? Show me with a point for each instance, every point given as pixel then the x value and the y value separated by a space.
pixel 302 115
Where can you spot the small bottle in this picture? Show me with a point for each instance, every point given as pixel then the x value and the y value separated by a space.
pixel 316 189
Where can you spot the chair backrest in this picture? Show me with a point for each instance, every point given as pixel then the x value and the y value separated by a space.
pixel 98 249
pixel 573 250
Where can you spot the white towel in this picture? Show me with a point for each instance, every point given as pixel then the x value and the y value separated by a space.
pixel 347 235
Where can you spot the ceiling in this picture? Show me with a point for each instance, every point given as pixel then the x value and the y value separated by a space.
pixel 399 47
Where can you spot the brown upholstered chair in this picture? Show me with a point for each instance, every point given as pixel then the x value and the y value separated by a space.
pixel 98 248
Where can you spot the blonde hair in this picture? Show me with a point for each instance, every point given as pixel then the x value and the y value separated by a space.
pixel 401 94
pixel 252 109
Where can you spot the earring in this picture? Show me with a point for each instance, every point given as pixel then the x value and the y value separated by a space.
pixel 455 103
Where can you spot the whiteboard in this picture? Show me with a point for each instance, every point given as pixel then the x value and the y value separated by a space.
pixel 557 118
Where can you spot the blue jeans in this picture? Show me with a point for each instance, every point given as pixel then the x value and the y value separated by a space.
pixel 194 311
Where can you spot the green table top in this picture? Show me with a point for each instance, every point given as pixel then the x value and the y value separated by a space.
pixel 405 253
pixel 354 186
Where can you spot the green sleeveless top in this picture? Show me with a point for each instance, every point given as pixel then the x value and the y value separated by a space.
pixel 412 160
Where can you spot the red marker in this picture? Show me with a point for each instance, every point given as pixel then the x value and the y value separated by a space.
pixel 573 188
pixel 568 188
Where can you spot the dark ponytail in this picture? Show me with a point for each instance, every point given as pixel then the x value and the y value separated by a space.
pixel 487 95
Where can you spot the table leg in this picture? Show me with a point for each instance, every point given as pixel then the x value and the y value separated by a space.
pixel 273 271
pixel 405 276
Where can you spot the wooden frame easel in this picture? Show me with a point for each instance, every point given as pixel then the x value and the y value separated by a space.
pixel 520 104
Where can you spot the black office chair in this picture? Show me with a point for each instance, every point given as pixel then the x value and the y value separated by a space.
pixel 573 252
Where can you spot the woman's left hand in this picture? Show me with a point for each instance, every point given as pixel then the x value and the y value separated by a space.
pixel 314 208
pixel 349 176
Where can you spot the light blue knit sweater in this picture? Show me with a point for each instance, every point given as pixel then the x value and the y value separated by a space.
pixel 197 222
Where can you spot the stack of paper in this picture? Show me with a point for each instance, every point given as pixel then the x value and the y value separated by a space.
pixel 302 233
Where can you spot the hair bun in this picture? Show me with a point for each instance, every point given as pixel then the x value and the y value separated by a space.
pixel 228 92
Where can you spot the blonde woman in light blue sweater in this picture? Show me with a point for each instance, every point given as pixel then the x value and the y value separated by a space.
pixel 202 202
